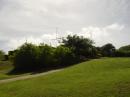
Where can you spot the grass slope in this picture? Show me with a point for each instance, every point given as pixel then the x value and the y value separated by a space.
pixel 5 67
pixel 107 77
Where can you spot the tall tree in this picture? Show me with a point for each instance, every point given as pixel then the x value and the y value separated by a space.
pixel 2 55
pixel 26 57
pixel 108 50
pixel 125 48
pixel 82 47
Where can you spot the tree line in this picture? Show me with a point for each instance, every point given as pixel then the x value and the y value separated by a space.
pixel 72 50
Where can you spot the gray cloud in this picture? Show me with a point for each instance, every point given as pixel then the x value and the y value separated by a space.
pixel 31 19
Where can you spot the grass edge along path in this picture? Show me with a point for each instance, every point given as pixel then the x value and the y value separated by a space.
pixel 28 76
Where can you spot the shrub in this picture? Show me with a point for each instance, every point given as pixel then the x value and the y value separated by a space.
pixel 26 57
pixel 94 52
pixel 45 56
pixel 64 56
pixel 81 47
pixel 123 51
pixel 125 48
pixel 11 55
pixel 73 50
pixel 2 55
pixel 108 50
pixel 119 53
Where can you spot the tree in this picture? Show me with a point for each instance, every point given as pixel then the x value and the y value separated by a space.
pixel 81 47
pixel 45 56
pixel 125 48
pixel 99 51
pixel 123 51
pixel 26 57
pixel 63 56
pixel 11 55
pixel 108 50
pixel 2 55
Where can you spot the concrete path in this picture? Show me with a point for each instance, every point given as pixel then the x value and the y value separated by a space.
pixel 28 76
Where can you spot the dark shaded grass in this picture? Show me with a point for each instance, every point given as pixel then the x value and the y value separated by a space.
pixel 16 71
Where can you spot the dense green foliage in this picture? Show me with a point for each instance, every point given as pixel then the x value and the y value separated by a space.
pixel 108 50
pixel 30 57
pixel 125 48
pixel 5 71
pixel 11 55
pixel 74 49
pixel 45 56
pixel 119 53
pixel 107 77
pixel 64 55
pixel 25 57
pixel 2 55
pixel 5 67
pixel 81 47
pixel 123 51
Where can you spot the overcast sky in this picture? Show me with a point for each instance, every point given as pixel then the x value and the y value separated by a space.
pixel 36 21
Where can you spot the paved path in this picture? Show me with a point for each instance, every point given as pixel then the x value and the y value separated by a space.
pixel 28 76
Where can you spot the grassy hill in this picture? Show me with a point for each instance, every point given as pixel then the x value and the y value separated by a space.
pixel 5 67
pixel 107 77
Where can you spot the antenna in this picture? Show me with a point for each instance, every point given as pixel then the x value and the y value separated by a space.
pixel 56 36
pixel 56 33
pixel 26 40
pixel 57 39
pixel 91 35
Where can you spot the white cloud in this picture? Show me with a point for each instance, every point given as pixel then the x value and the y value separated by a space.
pixel 69 33
pixel 45 38
pixel 115 26
pixel 102 35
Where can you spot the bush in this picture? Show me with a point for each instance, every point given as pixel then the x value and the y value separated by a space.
pixel 30 57
pixel 73 50
pixel 2 55
pixel 81 47
pixel 45 56
pixel 63 56
pixel 11 55
pixel 119 53
pixel 26 57
pixel 125 48
pixel 123 51
pixel 94 52
pixel 108 50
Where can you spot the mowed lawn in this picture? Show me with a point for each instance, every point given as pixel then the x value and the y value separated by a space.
pixel 106 77
pixel 5 67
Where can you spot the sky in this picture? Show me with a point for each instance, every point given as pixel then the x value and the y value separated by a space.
pixel 36 21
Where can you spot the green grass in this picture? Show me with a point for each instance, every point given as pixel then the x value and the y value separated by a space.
pixel 5 67
pixel 107 77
